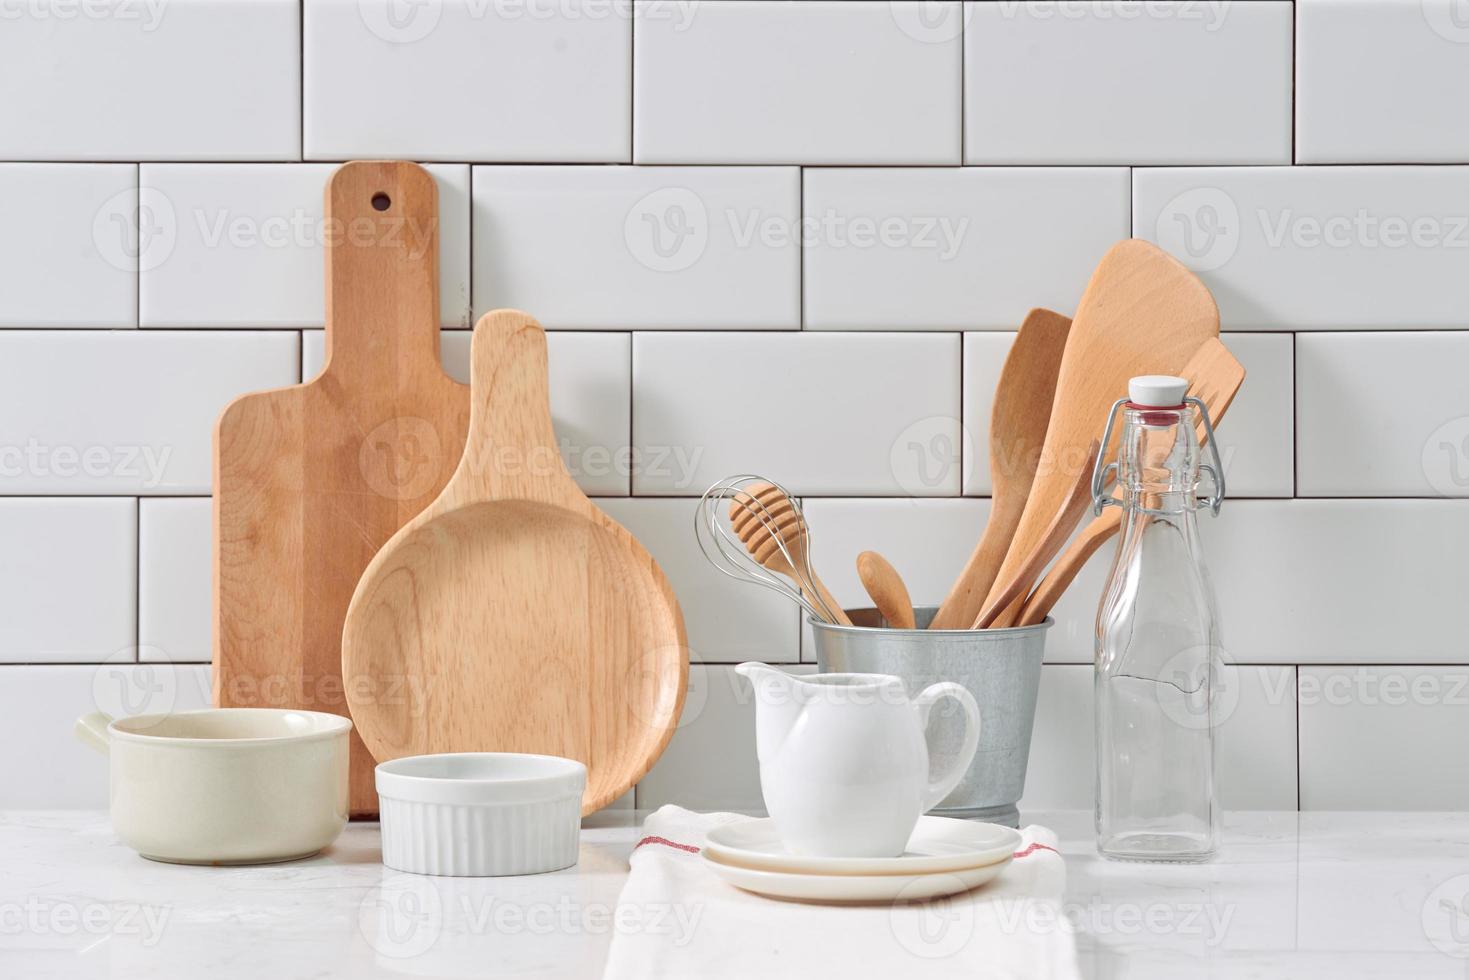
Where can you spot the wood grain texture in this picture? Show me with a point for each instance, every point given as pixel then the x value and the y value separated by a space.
pixel 1020 415
pixel 310 480
pixel 1214 377
pixel 528 619
pixel 1142 313
pixel 1002 609
pixel 886 588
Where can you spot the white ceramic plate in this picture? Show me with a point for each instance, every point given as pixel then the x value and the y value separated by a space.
pixel 855 888
pixel 938 844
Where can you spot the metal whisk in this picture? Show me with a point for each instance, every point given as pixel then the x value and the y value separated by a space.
pixel 752 529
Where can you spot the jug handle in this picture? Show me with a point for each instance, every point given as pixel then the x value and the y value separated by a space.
pixel 943 784
pixel 92 729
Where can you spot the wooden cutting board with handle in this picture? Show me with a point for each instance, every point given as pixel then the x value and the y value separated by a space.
pixel 1143 312
pixel 311 480
pixel 528 619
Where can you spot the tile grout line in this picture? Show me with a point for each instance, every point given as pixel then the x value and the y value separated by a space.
pixel 137 579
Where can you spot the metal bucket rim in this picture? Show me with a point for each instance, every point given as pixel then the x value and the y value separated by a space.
pixel 1006 632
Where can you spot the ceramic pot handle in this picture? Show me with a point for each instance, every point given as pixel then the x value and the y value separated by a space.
pixel 92 729
pixel 942 785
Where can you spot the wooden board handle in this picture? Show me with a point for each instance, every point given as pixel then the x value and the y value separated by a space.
pixel 511 452
pixel 382 270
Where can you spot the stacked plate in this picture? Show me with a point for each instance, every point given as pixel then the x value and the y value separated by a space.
pixel 944 856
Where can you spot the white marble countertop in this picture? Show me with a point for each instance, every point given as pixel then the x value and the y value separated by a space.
pixel 1327 895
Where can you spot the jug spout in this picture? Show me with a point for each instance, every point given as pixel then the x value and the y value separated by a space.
pixel 776 706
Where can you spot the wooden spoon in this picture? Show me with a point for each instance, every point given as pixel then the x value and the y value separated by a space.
pixel 1142 313
pixel 885 586
pixel 996 610
pixel 770 519
pixel 1214 377
pixel 1018 420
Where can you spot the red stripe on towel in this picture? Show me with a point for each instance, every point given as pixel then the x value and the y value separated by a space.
pixel 1035 847
pixel 667 843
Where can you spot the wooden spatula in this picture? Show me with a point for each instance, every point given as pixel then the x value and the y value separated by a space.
pixel 1214 377
pixel 885 586
pixel 525 618
pixel 309 481
pixel 1142 313
pixel 1060 528
pixel 1018 420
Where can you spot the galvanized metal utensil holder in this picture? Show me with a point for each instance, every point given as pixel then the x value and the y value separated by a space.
pixel 1000 667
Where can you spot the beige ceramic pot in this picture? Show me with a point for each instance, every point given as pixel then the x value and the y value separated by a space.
pixel 225 785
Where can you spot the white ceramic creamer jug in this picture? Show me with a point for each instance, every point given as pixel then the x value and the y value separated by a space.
pixel 844 758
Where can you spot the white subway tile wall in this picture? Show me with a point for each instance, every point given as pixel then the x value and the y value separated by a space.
pixel 809 81
pixel 75 263
pixel 537 80
pixel 680 247
pixel 1162 83
pixel 174 80
pixel 783 237
pixel 975 247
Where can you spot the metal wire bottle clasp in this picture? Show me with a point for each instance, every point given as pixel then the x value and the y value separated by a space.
pixel 1105 474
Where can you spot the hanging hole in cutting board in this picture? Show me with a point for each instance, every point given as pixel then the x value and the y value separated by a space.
pixel 381 201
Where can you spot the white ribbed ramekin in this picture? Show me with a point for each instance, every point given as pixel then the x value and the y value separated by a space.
pixel 477 814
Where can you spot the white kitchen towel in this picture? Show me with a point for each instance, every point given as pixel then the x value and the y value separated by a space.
pixel 678 920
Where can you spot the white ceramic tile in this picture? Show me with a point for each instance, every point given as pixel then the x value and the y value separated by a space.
pixel 640 247
pixel 591 399
pixel 534 80
pixel 1316 248
pixel 42 764
pixel 954 249
pixel 1383 414
pixel 68 245
pixel 91 412
pixel 69 578
pixel 1255 438
pixel 847 414
pixel 154 80
pixel 927 541
pixel 1384 738
pixel 984 359
pixel 1379 81
pixel 175 539
pixel 727 621
pixel 805 82
pixel 710 763
pixel 1061 773
pixel 1257 435
pixel 240 245
pixel 1317 582
pixel 1110 82
pixel 1256 740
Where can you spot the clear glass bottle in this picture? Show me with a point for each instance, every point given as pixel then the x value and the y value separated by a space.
pixel 1157 637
